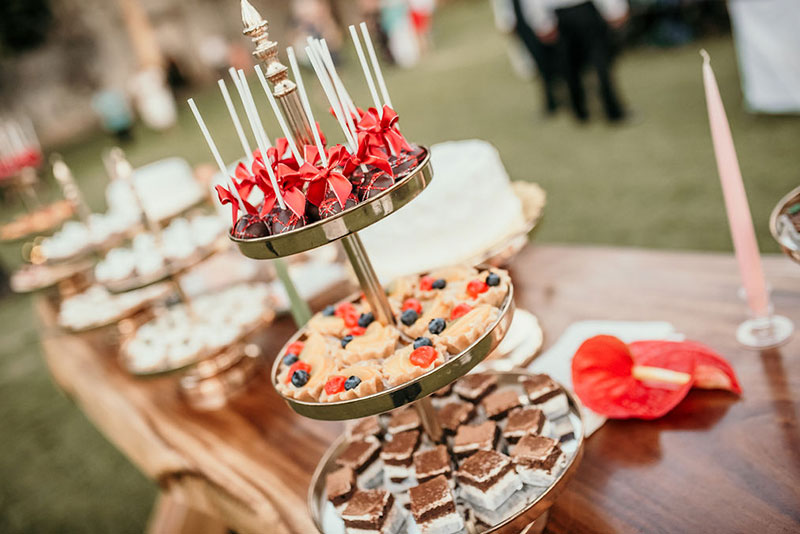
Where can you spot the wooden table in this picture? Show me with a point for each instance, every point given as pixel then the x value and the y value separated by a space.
pixel 717 463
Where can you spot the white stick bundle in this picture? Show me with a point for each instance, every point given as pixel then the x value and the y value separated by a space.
pixel 344 99
pixel 365 68
pixel 214 152
pixel 252 117
pixel 375 65
pixel 259 132
pixel 235 118
pixel 298 79
pixel 278 115
pixel 330 93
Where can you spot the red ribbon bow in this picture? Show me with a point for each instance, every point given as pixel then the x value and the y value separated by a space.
pixel 382 130
pixel 365 156
pixel 321 177
pixel 289 184
pixel 227 197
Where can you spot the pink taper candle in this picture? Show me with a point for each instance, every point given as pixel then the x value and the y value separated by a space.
pixel 739 218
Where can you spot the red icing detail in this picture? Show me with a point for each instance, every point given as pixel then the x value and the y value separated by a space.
pixel 476 287
pixel 423 356
pixel 412 304
pixel 344 308
pixel 295 348
pixel 460 311
pixel 334 385
pixel 351 318
pixel 297 366
pixel 426 283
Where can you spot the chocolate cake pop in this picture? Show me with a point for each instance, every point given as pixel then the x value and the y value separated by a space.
pixel 330 206
pixel 250 227
pixel 377 184
pixel 284 220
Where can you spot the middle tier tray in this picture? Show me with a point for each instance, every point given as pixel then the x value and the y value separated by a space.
pixel 413 390
pixel 342 224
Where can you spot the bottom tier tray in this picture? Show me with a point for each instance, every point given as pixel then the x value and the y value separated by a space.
pixel 517 512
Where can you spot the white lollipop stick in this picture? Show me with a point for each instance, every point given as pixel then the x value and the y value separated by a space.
pixel 235 118
pixel 276 110
pixel 260 131
pixel 326 87
pixel 365 68
pixel 341 92
pixel 214 152
pixel 306 104
pixel 375 65
pixel 252 117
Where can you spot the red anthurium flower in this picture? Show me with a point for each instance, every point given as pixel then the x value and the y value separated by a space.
pixel 319 178
pixel 366 156
pixel 646 379
pixel 711 371
pixel 382 130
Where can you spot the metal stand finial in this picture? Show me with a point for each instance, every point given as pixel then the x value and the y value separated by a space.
pixel 285 90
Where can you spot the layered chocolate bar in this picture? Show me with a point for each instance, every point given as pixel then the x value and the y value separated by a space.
pixel 546 395
pixel 397 456
pixel 432 463
pixel 488 479
pixel 362 457
pixel 538 460
pixel 340 485
pixel 434 508
pixel 472 438
pixel 368 426
pixel 527 421
pixel 454 414
pixel 475 387
pixel 497 405
pixel 372 512
pixel 404 420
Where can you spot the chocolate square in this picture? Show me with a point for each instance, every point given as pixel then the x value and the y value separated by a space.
pixel 431 500
pixel 454 414
pixel 404 420
pixel 400 450
pixel 475 386
pixel 523 422
pixel 368 509
pixel 431 463
pixel 540 388
pixel 498 404
pixel 536 452
pixel 359 454
pixel 340 485
pixel 368 426
pixel 484 469
pixel 472 438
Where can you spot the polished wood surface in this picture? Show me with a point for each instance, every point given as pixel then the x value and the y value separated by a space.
pixel 717 463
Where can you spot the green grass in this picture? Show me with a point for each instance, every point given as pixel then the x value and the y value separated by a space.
pixel 649 184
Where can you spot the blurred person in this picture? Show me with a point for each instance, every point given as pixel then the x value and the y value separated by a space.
pixel 421 12
pixel 114 112
pixel 402 40
pixel 371 14
pixel 510 17
pixel 582 31
pixel 314 18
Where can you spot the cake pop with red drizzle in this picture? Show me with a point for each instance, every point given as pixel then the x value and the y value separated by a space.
pixel 366 162
pixel 327 185
pixel 331 206
pixel 250 227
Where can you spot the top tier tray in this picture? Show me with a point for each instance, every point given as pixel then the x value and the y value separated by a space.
pixel 342 224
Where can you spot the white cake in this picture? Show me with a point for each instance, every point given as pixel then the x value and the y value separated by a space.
pixel 468 208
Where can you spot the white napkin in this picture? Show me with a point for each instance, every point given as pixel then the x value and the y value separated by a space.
pixel 557 360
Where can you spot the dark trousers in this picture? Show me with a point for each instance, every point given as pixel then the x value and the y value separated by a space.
pixel 545 56
pixel 585 38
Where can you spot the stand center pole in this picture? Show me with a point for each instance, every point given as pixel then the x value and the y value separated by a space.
pixel 373 291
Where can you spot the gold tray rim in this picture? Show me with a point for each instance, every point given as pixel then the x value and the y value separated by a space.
pixel 511 525
pixel 342 224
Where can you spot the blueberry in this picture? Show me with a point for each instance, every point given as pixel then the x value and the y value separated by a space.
pixel 436 326
pixel 346 340
pixel 328 311
pixel 440 283
pixel 409 317
pixel 423 342
pixel 299 378
pixel 352 382
pixel 289 359
pixel 492 280
pixel 365 319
